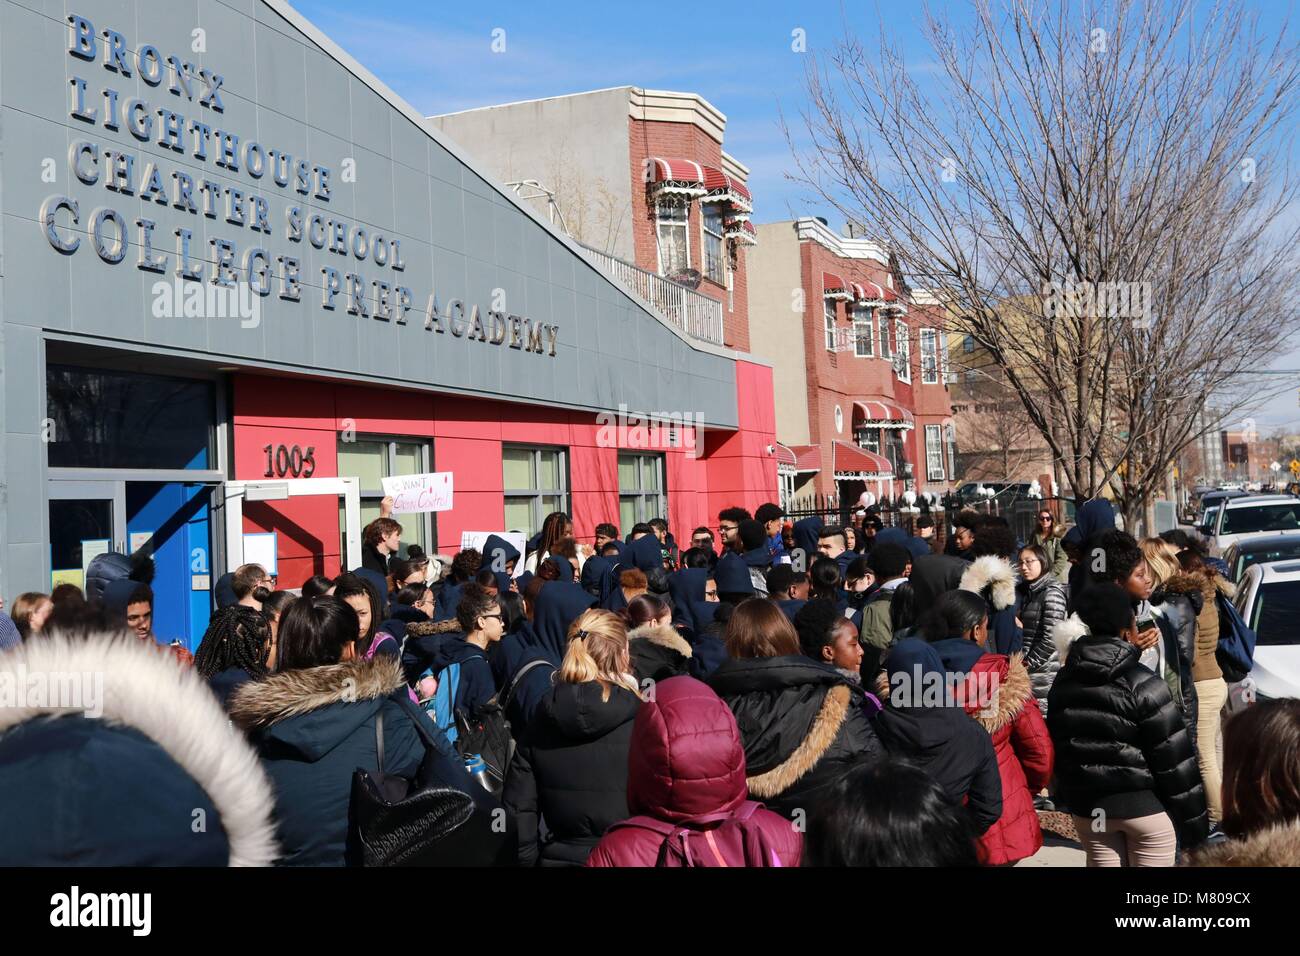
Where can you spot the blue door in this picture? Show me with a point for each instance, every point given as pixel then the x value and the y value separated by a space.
pixel 173 519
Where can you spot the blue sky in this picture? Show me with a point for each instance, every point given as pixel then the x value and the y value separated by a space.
pixel 440 57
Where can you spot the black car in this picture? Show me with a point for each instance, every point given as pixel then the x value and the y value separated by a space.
pixel 1260 549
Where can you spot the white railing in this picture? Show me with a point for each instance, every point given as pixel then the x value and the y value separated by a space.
pixel 695 314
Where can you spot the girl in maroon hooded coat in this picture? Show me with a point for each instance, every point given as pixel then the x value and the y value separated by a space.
pixel 687 773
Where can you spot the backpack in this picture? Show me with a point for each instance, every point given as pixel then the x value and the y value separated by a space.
pixel 1236 650
pixel 737 840
pixel 484 735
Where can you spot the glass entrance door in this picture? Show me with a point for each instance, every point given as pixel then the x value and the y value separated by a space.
pixel 86 518
pixel 170 519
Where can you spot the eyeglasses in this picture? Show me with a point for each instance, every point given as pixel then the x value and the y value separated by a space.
pixel 487 616
pixel 1044 517
pixel 728 527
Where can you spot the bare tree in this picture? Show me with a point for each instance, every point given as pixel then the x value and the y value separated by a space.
pixel 999 441
pixel 1100 188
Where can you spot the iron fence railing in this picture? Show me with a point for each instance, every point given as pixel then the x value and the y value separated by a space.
pixel 693 313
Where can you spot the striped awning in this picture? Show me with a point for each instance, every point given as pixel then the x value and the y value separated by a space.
pixel 676 176
pixel 881 413
pixel 868 293
pixel 833 287
pixel 784 456
pixel 893 303
pixel 728 189
pixel 741 231
pixel 854 462
pixel 808 458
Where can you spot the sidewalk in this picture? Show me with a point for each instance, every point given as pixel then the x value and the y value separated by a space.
pixel 1060 844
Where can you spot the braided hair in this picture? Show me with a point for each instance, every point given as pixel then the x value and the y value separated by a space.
pixel 237 636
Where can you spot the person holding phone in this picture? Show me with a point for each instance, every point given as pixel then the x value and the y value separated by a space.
pixel 1165 621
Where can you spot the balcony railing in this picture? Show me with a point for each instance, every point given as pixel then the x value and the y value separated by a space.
pixel 695 314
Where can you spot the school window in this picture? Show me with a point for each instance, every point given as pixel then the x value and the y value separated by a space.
pixel 885 351
pixel 830 325
pixel 714 265
pixel 968 344
pixel 674 237
pixel 864 332
pixel 640 489
pixel 372 458
pixel 869 438
pixel 536 482
pixel 950 438
pixel 934 452
pixel 904 365
pixel 929 357
pixel 945 372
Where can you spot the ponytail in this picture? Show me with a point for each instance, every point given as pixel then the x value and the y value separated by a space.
pixel 596 652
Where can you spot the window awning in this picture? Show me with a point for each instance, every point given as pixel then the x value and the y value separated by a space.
pixel 786 460
pixel 854 462
pixel 868 293
pixel 675 176
pixel 808 458
pixel 893 303
pixel 723 188
pixel 881 413
pixel 742 231
pixel 833 287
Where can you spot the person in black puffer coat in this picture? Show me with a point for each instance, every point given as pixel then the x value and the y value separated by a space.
pixel 1042 607
pixel 571 766
pixel 1168 647
pixel 803 724
pixel 922 722
pixel 1123 754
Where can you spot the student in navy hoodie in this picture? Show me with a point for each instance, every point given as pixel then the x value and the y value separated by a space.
pixel 481 625
pixel 526 660
pixel 756 553
pixel 921 721
pixel 770 517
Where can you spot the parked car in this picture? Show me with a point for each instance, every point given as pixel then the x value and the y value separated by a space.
pixel 1263 549
pixel 1254 515
pixel 1212 499
pixel 1268 598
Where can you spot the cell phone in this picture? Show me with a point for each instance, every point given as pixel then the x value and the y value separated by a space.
pixel 1145 623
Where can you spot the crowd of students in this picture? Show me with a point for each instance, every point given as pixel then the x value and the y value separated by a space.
pixel 780 694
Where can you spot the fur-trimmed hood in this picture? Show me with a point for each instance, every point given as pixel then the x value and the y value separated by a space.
pixel 306 690
pixel 826 725
pixel 139 688
pixel 995 574
pixel 1065 633
pixel 425 628
pixel 1194 582
pixel 1010 688
pixel 662 635
pixel 1277 846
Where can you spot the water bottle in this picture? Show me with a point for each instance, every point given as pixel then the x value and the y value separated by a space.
pixel 478 770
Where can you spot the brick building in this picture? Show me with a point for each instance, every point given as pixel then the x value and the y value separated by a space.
pixel 859 365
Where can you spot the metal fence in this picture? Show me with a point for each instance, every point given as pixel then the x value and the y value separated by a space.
pixel 694 313
pixel 1021 514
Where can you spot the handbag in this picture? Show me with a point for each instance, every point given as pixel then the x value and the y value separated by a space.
pixel 394 822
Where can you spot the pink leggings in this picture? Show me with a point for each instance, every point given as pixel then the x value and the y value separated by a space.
pixel 1141 841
